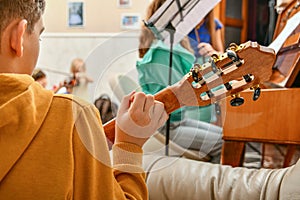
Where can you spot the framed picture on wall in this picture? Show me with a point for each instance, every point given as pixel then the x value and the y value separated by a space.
pixel 124 3
pixel 75 13
pixel 130 21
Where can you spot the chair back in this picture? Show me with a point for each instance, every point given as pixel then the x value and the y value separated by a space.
pixel 122 85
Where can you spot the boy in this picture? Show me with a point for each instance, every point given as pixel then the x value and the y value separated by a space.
pixel 53 146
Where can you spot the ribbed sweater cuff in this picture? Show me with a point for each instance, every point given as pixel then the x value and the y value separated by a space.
pixel 127 157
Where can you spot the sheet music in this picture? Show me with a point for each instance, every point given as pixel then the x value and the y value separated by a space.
pixel 290 26
pixel 194 17
pixel 193 12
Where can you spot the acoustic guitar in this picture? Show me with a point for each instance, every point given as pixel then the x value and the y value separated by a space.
pixel 241 67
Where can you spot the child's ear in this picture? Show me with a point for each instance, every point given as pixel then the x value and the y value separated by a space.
pixel 17 37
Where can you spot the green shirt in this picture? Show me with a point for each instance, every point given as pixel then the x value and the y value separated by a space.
pixel 153 72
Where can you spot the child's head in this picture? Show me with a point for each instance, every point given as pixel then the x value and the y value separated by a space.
pixel 77 65
pixel 31 10
pixel 40 77
pixel 21 25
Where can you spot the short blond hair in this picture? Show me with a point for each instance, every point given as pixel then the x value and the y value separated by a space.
pixel 77 65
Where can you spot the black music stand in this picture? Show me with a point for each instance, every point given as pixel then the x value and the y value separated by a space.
pixel 172 22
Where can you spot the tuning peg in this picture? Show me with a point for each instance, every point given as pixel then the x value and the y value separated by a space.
pixel 209 94
pixel 215 57
pixel 247 78
pixel 256 93
pixel 233 47
pixel 237 100
pixel 197 77
pixel 228 86
pixel 234 57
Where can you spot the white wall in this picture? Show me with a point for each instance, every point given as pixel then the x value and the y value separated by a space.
pixel 99 15
pixel 104 54
pixel 101 42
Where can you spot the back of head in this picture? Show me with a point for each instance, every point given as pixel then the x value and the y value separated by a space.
pixel 77 65
pixel 38 74
pixel 147 36
pixel 153 7
pixel 31 10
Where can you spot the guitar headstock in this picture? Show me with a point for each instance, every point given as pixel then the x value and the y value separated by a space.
pixel 240 67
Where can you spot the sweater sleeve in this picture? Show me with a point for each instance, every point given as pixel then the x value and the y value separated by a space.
pixel 127 162
pixel 94 176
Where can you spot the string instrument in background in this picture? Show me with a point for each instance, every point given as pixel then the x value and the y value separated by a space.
pixel 240 67
pixel 68 83
pixel 287 65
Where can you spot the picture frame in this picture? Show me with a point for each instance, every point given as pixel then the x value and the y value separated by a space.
pixel 124 3
pixel 75 14
pixel 130 21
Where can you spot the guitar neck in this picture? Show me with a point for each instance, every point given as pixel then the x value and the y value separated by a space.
pixel 168 98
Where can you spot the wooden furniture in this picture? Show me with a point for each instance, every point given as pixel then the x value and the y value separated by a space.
pixel 287 66
pixel 234 16
pixel 291 9
pixel 276 111
pixel 273 118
